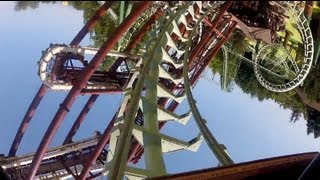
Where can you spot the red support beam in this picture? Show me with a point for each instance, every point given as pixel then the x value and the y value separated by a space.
pixel 89 26
pixel 97 150
pixel 43 89
pixel 216 49
pixel 91 23
pixel 308 8
pixel 131 45
pixel 106 135
pixel 27 118
pixel 79 85
pixel 207 37
pixel 80 118
pixel 145 28
pixel 136 150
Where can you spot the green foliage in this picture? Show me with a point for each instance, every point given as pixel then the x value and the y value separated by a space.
pixel 313 122
pixel 249 84
pixel 216 63
pixel 105 26
pixel 24 5
pixel 312 84
pixel 295 116
pixel 238 44
pixel 244 77
pixel 240 73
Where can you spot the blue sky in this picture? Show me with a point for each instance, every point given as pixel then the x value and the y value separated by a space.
pixel 250 129
pixel 24 35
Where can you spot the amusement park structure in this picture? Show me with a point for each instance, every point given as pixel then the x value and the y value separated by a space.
pixel 184 38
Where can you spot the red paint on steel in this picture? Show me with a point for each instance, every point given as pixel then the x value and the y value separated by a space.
pixel 136 150
pixel 308 8
pixel 43 89
pixel 79 85
pixel 207 38
pixel 209 59
pixel 26 119
pixel 146 27
pixel 91 23
pixel 105 138
pixel 101 91
pixel 80 118
pixel 137 38
pixel 97 150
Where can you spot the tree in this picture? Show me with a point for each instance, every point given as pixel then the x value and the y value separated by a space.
pixel 311 84
pixel 313 122
pixel 249 84
pixel 295 116
pixel 242 75
pixel 103 29
pixel 237 43
pixel 24 5
pixel 247 81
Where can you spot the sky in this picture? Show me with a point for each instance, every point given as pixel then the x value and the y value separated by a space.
pixel 250 129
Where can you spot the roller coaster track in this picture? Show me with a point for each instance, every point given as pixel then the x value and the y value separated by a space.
pixel 51 162
pixel 49 56
pixel 164 50
pixel 184 39
pixel 307 40
pixel 213 144
pixel 170 87
pixel 224 67
pixel 250 61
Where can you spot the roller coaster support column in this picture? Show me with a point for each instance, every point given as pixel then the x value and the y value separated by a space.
pixel 120 157
pixel 210 32
pixel 91 23
pixel 317 45
pixel 96 152
pixel 43 89
pixel 113 68
pixel 152 144
pixel 137 38
pixel 136 149
pixel 208 60
pixel 79 85
pixel 80 118
pixel 308 8
pixel 27 118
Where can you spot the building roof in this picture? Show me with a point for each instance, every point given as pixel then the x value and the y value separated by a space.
pixel 254 32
